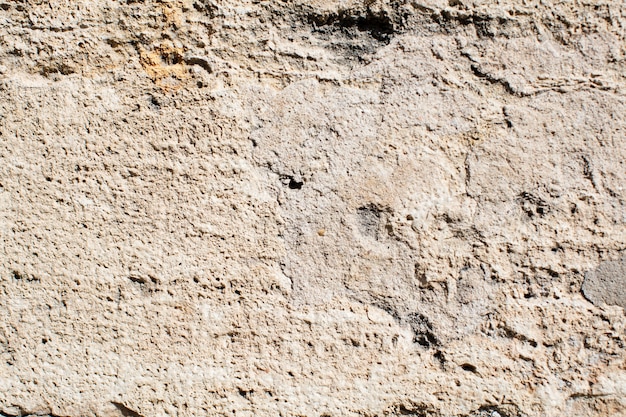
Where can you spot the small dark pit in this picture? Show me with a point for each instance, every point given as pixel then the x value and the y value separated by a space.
pixel 295 185
pixel 468 367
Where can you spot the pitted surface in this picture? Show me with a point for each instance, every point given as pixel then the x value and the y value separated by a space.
pixel 312 208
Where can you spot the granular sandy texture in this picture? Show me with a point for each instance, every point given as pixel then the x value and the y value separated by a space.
pixel 312 208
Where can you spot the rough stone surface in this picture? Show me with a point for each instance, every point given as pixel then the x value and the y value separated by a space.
pixel 312 208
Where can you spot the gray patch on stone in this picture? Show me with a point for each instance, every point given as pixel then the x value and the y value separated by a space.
pixel 606 284
pixel 369 219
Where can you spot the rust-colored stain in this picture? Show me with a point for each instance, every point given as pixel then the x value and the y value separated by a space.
pixel 164 64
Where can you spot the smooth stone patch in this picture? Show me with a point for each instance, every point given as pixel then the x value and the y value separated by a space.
pixel 606 284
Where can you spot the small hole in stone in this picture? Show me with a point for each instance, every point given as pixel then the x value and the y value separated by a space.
pixel 295 185
pixel 468 367
pixel 155 102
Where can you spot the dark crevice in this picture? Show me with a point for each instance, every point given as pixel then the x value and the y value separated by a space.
pixel 533 205
pixel 469 368
pixel 585 395
pixel 481 73
pixel 588 171
pixel 422 329
pixel 172 58
pixel 126 412
pixel 245 393
pixel 199 61
pixel 419 410
pixel 486 26
pixel 206 6
pixel 293 182
pixel 423 332
pixel 378 25
pixel 439 355
pixel 388 309
pixel 58 68
pixel 154 102
pixel 18 276
pixel 503 410
pixel 26 413
pixel 138 280
pixel 295 185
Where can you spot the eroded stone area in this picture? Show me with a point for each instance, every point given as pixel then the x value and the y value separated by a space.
pixel 320 208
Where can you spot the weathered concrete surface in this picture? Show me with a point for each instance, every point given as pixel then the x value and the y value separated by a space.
pixel 312 208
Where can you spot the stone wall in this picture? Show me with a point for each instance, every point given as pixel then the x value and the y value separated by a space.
pixel 312 208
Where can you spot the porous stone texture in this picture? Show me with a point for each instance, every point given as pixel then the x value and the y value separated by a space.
pixel 312 208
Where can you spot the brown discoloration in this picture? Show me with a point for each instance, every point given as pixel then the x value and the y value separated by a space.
pixel 165 65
